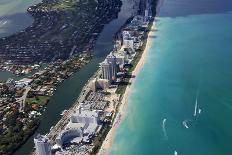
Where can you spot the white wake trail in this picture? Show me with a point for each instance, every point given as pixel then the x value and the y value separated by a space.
pixel 175 152
pixel 164 128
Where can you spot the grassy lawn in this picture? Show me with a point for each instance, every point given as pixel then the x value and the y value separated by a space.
pixel 41 100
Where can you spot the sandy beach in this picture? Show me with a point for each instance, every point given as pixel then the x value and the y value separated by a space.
pixel 122 109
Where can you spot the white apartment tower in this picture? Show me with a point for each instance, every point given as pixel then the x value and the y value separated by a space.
pixel 42 145
pixel 106 71
pixel 112 60
pixel 109 67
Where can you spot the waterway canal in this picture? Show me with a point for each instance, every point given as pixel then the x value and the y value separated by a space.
pixel 69 90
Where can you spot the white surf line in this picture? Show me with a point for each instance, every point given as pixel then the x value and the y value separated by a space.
pixel 196 111
pixel 164 128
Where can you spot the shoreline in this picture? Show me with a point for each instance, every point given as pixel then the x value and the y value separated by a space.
pixel 53 82
pixel 98 48
pixel 107 143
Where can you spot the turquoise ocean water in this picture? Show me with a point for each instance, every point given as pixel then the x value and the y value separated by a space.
pixel 190 58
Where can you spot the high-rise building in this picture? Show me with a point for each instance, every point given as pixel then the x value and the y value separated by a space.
pixel 111 59
pixel 96 84
pixel 129 43
pixel 146 13
pixel 109 67
pixel 106 70
pixel 128 40
pixel 42 145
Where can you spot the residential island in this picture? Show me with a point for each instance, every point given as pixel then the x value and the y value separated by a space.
pixel 61 29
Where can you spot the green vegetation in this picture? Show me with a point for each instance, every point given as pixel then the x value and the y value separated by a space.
pixel 106 93
pixel 122 86
pixel 98 140
pixel 40 100
pixel 61 28
pixel 136 59
pixel 17 131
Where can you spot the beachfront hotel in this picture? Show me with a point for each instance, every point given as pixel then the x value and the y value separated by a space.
pixel 83 125
pixel 109 68
pixel 112 60
pixel 99 84
pixel 128 40
pixel 106 69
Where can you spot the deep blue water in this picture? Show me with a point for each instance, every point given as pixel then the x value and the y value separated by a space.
pixel 190 58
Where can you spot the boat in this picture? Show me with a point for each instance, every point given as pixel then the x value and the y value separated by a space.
pixel 199 111
pixel 51 128
pixel 164 120
pixel 62 113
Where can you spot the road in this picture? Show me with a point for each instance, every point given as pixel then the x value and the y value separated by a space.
pixel 22 99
